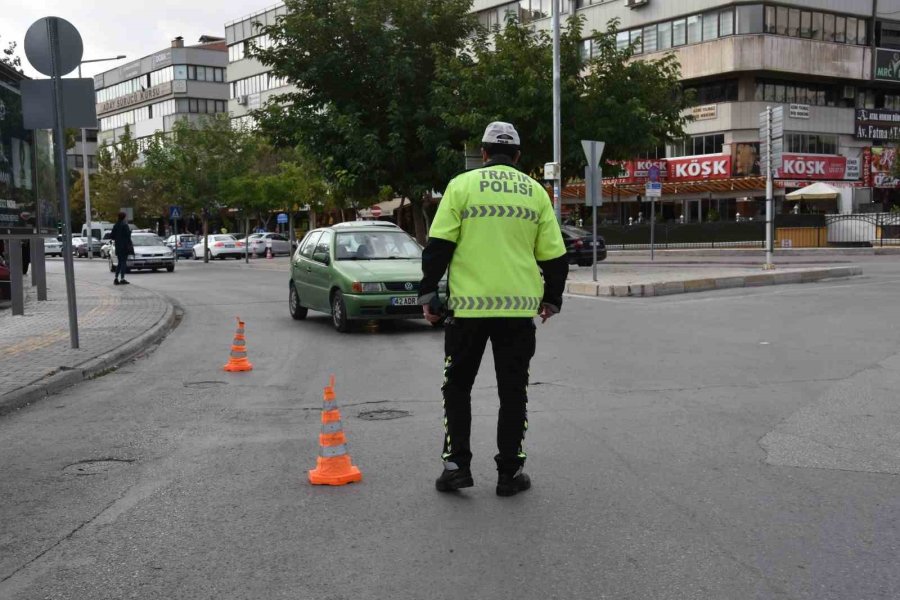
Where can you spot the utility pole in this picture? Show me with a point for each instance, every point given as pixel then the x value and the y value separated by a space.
pixel 557 118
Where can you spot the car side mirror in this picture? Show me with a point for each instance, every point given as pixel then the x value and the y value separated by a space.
pixel 322 258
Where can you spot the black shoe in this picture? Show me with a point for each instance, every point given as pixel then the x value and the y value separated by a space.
pixel 115 282
pixel 123 282
pixel 510 484
pixel 454 479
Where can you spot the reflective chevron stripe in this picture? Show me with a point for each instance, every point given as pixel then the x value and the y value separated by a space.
pixel 332 451
pixel 495 303
pixel 496 210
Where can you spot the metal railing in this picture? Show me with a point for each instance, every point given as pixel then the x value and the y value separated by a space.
pixel 863 229
pixel 673 234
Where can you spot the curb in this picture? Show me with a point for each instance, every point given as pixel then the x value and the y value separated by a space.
pixel 98 365
pixel 665 288
pixel 779 252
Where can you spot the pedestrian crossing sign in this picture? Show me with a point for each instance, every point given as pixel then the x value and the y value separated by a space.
pixel 174 212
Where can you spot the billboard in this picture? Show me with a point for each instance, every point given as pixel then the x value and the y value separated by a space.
pixel 827 167
pixel 877 124
pixel 880 164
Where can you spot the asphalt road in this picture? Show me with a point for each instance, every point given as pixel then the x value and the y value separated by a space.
pixel 728 445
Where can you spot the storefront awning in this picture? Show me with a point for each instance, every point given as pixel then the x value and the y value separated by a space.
pixel 575 191
pixel 816 191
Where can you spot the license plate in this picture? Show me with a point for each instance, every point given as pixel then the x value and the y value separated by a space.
pixel 229 245
pixel 405 301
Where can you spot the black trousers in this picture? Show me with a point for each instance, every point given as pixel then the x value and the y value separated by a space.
pixel 513 344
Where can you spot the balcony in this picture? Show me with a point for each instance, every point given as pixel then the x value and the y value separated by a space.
pixel 775 53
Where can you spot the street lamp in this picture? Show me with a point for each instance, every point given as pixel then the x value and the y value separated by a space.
pixel 85 177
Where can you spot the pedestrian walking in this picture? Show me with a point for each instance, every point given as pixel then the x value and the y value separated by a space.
pixel 121 237
pixel 496 231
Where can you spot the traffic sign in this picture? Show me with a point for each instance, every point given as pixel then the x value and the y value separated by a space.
pixel 39 41
pixel 653 173
pixel 174 212
pixel 653 189
pixel 282 218
pixel 376 211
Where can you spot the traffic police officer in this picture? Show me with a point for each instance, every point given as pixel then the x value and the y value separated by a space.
pixel 496 231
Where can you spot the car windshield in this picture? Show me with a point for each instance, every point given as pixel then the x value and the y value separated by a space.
pixel 376 245
pixel 575 231
pixel 146 240
pixel 223 238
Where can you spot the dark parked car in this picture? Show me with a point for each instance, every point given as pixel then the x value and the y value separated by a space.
pixel 578 246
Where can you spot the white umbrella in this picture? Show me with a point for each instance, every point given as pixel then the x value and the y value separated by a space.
pixel 816 191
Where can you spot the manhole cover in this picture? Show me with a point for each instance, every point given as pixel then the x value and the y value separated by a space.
pixel 94 467
pixel 383 414
pixel 204 385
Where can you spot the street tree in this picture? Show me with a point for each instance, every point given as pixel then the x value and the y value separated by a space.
pixel 506 74
pixel 117 183
pixel 10 58
pixel 364 108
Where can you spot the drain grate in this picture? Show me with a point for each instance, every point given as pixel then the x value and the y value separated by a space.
pixel 204 385
pixel 95 467
pixel 385 414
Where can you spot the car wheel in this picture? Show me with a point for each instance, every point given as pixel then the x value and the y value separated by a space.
pixel 339 312
pixel 298 311
pixel 585 263
pixel 170 268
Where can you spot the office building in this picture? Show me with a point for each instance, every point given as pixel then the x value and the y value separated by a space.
pixel 828 63
pixel 250 84
pixel 151 93
pixel 75 154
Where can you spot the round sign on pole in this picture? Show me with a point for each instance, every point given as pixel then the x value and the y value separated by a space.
pixel 39 53
pixel 653 173
pixel 376 211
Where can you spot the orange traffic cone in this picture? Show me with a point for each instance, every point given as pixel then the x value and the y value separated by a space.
pixel 238 359
pixel 269 253
pixel 333 466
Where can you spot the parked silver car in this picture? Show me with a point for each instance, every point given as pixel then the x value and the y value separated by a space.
pixel 150 252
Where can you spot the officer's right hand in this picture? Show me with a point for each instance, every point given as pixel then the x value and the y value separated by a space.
pixel 430 316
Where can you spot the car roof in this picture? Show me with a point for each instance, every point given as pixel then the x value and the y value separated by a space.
pixel 362 224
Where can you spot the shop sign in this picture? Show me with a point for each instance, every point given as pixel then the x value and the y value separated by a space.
pixel 799 111
pixel 867 167
pixel 817 166
pixel 881 167
pixel 158 91
pixel 880 124
pixel 887 65
pixel 705 112
pixel 698 168
pixel 635 171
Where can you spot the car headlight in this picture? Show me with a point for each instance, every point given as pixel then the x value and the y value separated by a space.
pixel 367 287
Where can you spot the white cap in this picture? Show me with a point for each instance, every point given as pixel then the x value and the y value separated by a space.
pixel 499 132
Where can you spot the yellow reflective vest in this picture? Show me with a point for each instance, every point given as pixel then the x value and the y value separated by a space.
pixel 502 223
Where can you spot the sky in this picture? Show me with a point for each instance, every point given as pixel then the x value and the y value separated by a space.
pixel 131 27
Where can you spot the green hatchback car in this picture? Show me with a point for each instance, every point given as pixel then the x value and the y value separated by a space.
pixel 359 270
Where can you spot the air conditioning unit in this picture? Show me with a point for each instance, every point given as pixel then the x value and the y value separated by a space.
pixel 635 3
pixel 242 100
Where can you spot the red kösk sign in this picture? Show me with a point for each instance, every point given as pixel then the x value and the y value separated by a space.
pixel 810 166
pixel 699 168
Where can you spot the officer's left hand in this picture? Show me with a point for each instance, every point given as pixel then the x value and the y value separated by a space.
pixel 547 311
pixel 430 316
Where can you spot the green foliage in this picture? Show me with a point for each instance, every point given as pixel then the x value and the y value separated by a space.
pixel 10 59
pixel 364 109
pixel 118 182
pixel 506 75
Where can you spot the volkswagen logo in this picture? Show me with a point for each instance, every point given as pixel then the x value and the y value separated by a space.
pixel 408 286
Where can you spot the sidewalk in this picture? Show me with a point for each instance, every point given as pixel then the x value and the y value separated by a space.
pixel 115 324
pixel 633 275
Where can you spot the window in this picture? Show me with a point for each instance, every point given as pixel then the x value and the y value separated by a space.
pixel 180 71
pixel 793 28
pixel 679 32
pixel 840 29
pixel 584 50
pixel 726 22
pixel 92 161
pixel 811 143
pixel 770 19
pixel 828 28
pixel 806 24
pixel 664 36
pixel 693 29
pixel 697 145
pixel 817 26
pixel 852 25
pixel 622 40
pixel 710 26
pixel 861 33
pixel 781 20
pixel 192 105
pixel 219 75
pixel 306 250
pixel 711 93
pixel 636 41
pixel 201 73
pixel 323 248
pixel 192 72
pixel 649 38
pixel 750 19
